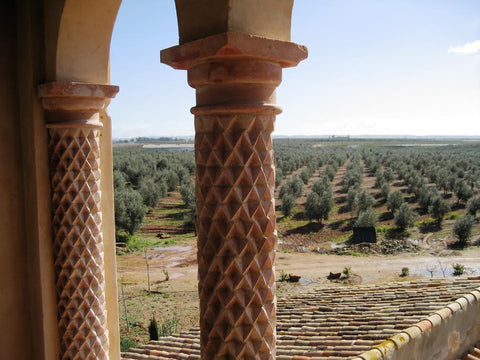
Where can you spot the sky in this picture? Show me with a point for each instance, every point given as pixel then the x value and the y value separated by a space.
pixel 375 67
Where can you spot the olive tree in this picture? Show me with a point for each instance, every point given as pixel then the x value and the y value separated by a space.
pixel 473 206
pixel 318 207
pixel 129 210
pixel 463 229
pixel 365 200
pixel 439 208
pixel 288 203
pixel 405 217
pixel 366 218
pixel 394 201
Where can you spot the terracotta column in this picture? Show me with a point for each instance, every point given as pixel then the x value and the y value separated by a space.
pixel 235 77
pixel 74 130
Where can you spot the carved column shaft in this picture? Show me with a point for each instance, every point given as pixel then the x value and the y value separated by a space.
pixel 235 77
pixel 235 206
pixel 74 151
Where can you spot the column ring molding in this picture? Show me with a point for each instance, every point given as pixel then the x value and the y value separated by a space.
pixel 253 108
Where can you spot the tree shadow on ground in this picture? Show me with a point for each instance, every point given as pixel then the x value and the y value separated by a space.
pixel 387 215
pixel 170 205
pixel 299 216
pixel 377 204
pixel 348 224
pixel 410 199
pixel 459 245
pixel 457 206
pixel 176 216
pixel 305 229
pixel 340 199
pixel 336 224
pixel 433 226
pixel 396 234
pixel 343 209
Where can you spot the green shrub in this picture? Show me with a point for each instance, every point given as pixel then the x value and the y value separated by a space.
pixel 383 228
pixel 453 215
pixel 284 277
pixel 458 269
pixel 426 222
pixel 169 326
pixel 347 271
pixel 405 272
pixel 123 237
pixel 126 344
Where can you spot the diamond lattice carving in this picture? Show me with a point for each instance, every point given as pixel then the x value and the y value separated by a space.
pixel 236 235
pixel 78 245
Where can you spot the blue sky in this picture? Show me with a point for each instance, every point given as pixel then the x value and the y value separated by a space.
pixel 376 67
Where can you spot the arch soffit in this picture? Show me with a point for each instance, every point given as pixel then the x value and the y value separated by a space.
pixel 83 43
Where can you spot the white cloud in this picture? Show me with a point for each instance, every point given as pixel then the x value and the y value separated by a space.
pixel 468 48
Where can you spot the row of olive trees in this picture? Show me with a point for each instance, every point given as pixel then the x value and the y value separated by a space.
pixel 455 173
pixel 141 178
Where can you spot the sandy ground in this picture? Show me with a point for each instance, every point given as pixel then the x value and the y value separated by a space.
pixel 180 262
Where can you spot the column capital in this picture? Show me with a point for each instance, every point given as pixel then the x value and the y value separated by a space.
pixel 74 103
pixel 235 72
pixel 233 45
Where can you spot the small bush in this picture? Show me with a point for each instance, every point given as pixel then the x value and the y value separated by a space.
pixel 123 237
pixel 167 276
pixel 453 215
pixel 458 269
pixel 383 228
pixel 425 223
pixel 126 344
pixel 284 277
pixel 405 272
pixel 169 326
pixel 347 271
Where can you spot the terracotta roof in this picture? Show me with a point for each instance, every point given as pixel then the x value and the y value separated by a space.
pixel 474 354
pixel 335 322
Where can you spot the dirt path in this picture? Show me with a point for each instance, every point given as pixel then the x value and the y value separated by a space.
pixel 375 269
pixel 180 263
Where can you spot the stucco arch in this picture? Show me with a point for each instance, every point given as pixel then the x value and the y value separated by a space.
pixel 83 42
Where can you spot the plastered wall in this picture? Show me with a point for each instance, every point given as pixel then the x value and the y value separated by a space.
pixel 30 56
